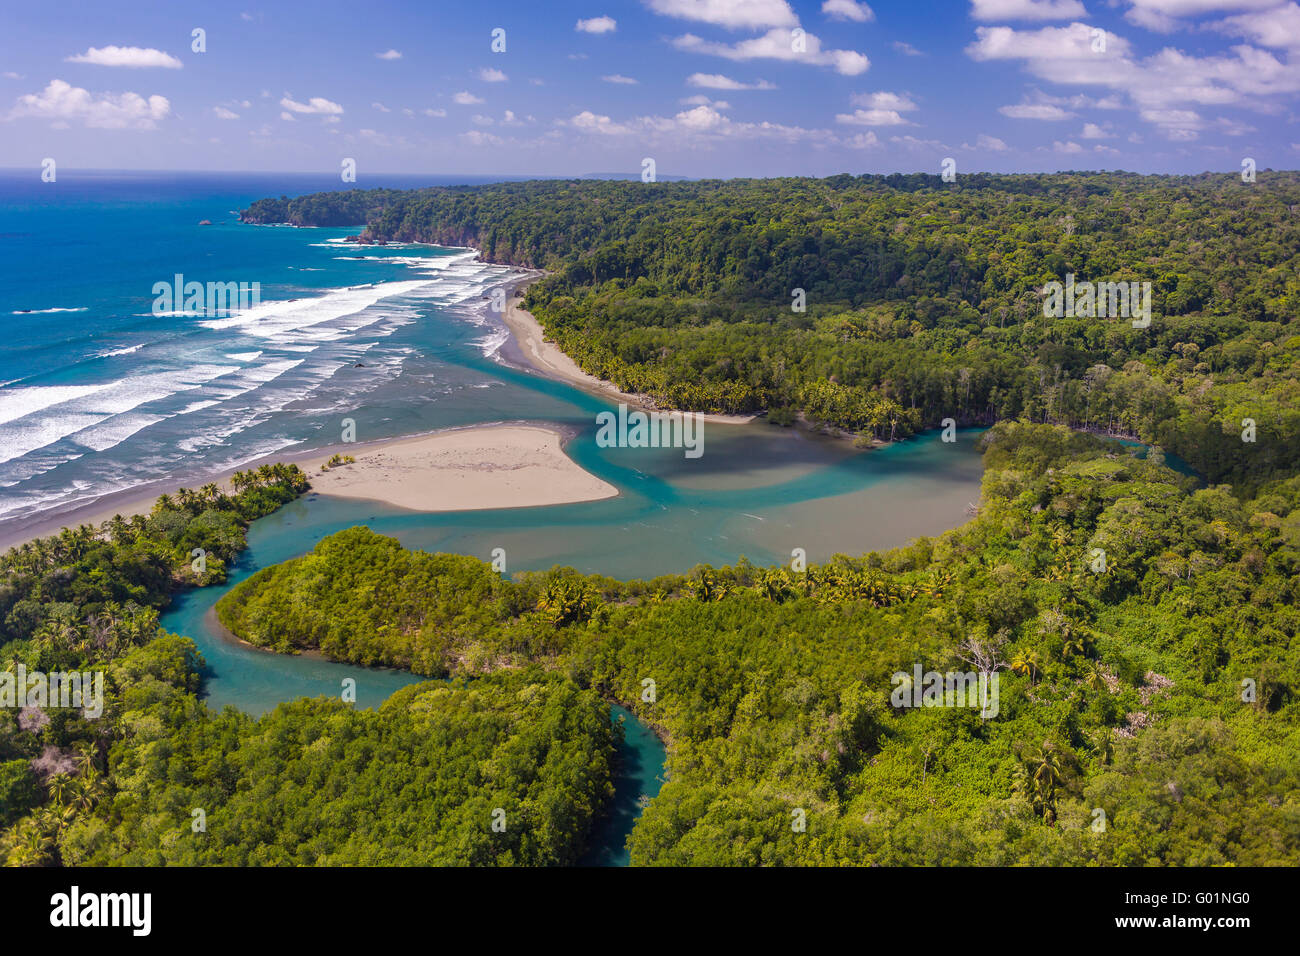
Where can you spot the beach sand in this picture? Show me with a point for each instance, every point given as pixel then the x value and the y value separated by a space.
pixel 548 359
pixel 503 466
pixel 489 466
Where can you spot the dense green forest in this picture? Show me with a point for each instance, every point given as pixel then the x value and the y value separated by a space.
pixel 1156 693
pixel 1121 689
pixel 923 298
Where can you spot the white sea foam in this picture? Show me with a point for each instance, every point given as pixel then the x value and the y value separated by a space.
pixel 126 394
pixel 126 351
pixel 115 431
pixel 273 319
pixel 77 407
pixel 80 308
pixel 261 374
pixel 18 439
pixel 18 402
pixel 490 344
pixel 199 406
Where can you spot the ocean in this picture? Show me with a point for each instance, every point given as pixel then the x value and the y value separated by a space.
pixel 99 394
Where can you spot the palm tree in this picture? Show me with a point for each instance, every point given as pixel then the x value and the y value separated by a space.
pixel 1047 776
pixel 567 602
pixel 1026 663
pixel 33 844
pixel 119 530
pixel 773 584
pixel 706 586
pixel 60 788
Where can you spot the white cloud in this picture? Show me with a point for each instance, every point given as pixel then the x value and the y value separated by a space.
pixel 1163 15
pixel 619 78
pixel 466 98
pixel 591 122
pixel 476 137
pixel 1232 127
pixel 911 142
pixel 987 142
pixel 11 75
pixel 907 49
pixel 225 114
pixel 883 100
pixel 872 118
pixel 1176 125
pixel 435 114
pixel 1276 28
pixel 64 103
pixel 1072 44
pixel 1093 131
pixel 702 124
pixel 1035 111
pixel 480 120
pixel 1166 79
pixel 716 81
pixel 1069 147
pixel 701 118
pixel 733 14
pixel 381 107
pixel 381 139
pixel 129 56
pixel 389 55
pixel 699 99
pixel 848 10
pixel 879 109
pixel 779 44
pixel 597 25
pixel 865 140
pixel 286 115
pixel 1026 9
pixel 489 75
pixel 317 105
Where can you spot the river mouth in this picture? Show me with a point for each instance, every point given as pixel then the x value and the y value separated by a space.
pixel 826 498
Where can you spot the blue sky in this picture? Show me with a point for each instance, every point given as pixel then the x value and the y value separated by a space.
pixel 705 87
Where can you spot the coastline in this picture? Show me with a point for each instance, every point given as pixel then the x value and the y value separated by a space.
pixel 552 479
pixel 547 358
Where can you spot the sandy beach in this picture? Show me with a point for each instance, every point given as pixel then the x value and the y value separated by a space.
pixel 503 466
pixel 548 359
pixel 489 466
